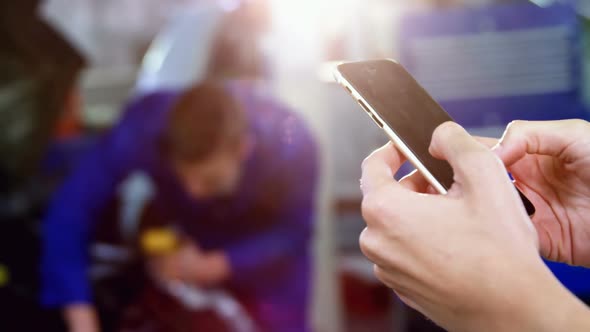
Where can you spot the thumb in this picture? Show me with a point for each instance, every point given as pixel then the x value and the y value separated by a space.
pixel 550 138
pixel 474 165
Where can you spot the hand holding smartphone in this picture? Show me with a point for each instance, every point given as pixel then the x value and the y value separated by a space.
pixel 405 111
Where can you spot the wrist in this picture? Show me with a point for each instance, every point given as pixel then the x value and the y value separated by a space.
pixel 541 304
pixel 578 318
pixel 561 311
pixel 81 317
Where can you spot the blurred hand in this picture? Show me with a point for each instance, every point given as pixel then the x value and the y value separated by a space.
pixel 469 259
pixel 550 162
pixel 190 264
pixel 81 318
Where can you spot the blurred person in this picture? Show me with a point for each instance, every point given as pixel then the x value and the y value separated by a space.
pixel 246 209
pixel 470 261
pixel 243 209
pixel 231 169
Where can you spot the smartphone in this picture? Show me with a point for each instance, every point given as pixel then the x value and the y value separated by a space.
pixel 405 111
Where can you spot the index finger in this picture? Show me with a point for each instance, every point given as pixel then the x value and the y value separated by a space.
pixel 551 138
pixel 380 167
pixel 475 166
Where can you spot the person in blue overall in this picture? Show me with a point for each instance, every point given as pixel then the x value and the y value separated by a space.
pixel 233 171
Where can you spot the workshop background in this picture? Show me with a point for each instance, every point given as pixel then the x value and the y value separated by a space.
pixel 486 61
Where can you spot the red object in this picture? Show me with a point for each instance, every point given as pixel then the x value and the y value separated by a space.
pixel 365 300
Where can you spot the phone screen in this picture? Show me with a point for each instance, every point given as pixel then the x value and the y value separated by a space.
pixel 404 106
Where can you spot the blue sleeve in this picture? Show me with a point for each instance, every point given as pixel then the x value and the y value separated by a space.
pixel 290 237
pixel 77 206
pixel 67 230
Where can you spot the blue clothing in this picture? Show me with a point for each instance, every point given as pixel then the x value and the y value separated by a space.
pixel 264 227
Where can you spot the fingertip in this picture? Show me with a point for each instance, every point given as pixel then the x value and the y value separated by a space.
pixel 441 136
pixel 509 149
pixel 507 155
pixel 449 127
pixel 380 167
pixel 433 149
pixel 498 149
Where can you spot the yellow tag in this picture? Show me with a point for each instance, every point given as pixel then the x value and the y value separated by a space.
pixel 4 276
pixel 159 241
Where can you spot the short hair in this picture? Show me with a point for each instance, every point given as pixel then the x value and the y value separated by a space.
pixel 206 117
